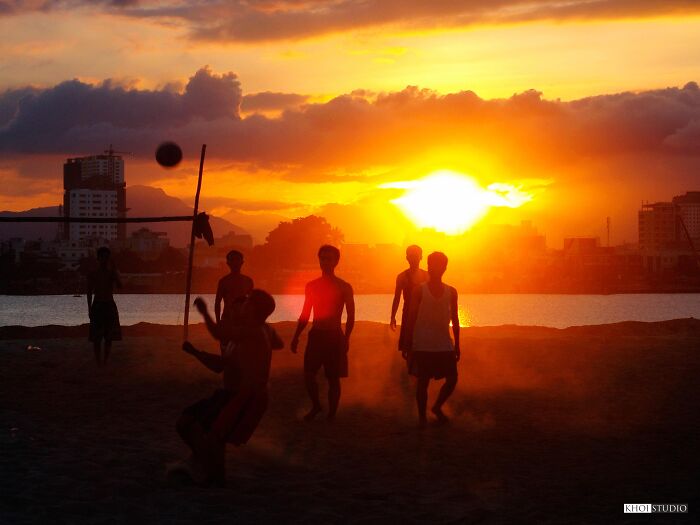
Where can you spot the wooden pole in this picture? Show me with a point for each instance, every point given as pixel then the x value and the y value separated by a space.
pixel 191 259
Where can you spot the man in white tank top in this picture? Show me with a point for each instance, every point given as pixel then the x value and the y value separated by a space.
pixel 433 354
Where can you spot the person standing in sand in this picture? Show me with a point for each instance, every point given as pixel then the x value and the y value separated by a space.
pixel 232 290
pixel 406 283
pixel 328 345
pixel 431 352
pixel 104 316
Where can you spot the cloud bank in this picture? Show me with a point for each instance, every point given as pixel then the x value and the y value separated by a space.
pixel 350 132
pixel 267 20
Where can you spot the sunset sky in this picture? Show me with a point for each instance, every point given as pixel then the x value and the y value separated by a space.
pixel 335 107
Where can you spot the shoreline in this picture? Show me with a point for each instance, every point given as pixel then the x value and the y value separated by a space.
pixel 682 326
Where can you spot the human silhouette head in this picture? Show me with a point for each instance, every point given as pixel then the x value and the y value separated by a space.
pixel 437 264
pixel 414 254
pixel 103 255
pixel 258 305
pixel 234 260
pixel 328 258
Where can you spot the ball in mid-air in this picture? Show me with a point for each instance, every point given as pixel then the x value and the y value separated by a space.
pixel 168 154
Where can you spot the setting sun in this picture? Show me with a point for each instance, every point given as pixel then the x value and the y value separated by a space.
pixel 452 202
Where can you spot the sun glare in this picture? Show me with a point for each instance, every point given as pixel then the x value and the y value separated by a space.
pixel 452 202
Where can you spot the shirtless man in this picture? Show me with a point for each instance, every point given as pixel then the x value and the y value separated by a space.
pixel 406 282
pixel 432 353
pixel 327 345
pixel 104 316
pixel 232 289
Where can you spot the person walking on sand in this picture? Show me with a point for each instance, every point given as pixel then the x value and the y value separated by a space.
pixel 232 289
pixel 406 283
pixel 431 352
pixel 104 316
pixel 328 345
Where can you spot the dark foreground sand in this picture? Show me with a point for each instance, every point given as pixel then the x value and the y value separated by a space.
pixel 549 426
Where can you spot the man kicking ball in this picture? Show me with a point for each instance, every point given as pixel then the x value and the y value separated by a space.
pixel 231 414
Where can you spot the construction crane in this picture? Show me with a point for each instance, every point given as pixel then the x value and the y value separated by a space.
pixel 111 151
pixel 679 214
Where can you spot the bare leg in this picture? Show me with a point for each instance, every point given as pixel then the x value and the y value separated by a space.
pixel 445 392
pixel 333 396
pixel 422 399
pixel 98 351
pixel 184 428
pixel 312 390
pixel 108 347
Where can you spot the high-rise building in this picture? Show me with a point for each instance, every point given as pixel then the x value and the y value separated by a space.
pixel 658 226
pixel 688 206
pixel 94 187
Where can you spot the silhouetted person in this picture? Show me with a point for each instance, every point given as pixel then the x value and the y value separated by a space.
pixel 406 282
pixel 104 316
pixel 431 352
pixel 232 289
pixel 328 345
pixel 231 414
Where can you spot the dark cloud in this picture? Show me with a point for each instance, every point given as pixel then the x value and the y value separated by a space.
pixel 63 117
pixel 251 21
pixel 270 101
pixel 351 133
pixel 261 20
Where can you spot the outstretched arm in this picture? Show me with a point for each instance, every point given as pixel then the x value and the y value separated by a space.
pixel 213 362
pixel 303 319
pixel 454 307
pixel 212 325
pixel 395 304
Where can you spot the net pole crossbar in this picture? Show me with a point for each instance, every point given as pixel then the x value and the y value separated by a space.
pixel 99 220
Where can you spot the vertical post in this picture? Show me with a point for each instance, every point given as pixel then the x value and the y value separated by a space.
pixel 191 257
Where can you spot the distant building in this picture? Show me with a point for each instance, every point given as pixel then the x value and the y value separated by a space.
pixel 148 244
pixel 669 232
pixel 688 206
pixel 94 187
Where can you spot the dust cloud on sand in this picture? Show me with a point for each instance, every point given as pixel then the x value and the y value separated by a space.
pixel 547 425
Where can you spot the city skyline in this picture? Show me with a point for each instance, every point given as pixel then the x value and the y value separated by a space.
pixel 575 106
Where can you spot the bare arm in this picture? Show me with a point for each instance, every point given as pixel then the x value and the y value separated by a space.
pixel 303 319
pixel 217 302
pixel 350 309
pixel 416 297
pixel 117 278
pixel 212 325
pixel 395 304
pixel 454 307
pixel 213 362
pixel 89 293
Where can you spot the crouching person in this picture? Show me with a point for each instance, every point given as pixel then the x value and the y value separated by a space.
pixel 230 414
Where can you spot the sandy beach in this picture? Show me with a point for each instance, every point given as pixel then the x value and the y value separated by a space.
pixel 548 426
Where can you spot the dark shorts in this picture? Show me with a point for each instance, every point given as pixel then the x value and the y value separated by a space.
pixel 326 348
pixel 104 322
pixel 243 413
pixel 432 365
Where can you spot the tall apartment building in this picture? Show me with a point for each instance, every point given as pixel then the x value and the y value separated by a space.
pixel 688 206
pixel 94 186
pixel 664 228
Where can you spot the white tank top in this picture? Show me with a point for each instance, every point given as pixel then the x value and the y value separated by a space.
pixel 432 330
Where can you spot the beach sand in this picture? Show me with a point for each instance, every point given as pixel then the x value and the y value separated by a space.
pixel 548 426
